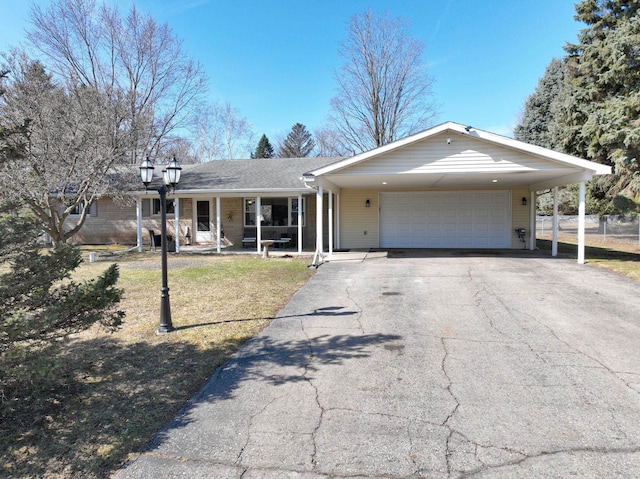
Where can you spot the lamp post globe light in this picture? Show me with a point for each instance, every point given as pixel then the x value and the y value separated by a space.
pixel 171 177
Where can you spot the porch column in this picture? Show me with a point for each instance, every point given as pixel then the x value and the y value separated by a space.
pixel 554 241
pixel 581 213
pixel 300 219
pixel 330 220
pixel 139 223
pixel 176 208
pixel 532 220
pixel 338 221
pixel 319 231
pixel 218 225
pixel 258 224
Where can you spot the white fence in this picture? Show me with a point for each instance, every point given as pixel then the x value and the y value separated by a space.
pixel 612 228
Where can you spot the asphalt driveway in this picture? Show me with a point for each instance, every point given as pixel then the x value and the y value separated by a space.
pixel 425 365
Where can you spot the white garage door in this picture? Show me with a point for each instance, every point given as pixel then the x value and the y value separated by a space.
pixel 446 219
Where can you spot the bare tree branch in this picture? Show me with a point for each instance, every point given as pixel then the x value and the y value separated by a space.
pixel 384 92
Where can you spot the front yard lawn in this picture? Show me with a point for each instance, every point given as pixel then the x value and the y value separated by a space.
pixel 620 258
pixel 115 390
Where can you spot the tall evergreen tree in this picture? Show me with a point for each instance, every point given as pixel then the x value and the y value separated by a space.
pixel 537 123
pixel 538 126
pixel 599 113
pixel 264 148
pixel 298 144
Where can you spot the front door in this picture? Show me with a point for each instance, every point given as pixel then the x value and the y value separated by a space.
pixel 204 230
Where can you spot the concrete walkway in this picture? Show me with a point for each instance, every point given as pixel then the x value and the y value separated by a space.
pixel 428 365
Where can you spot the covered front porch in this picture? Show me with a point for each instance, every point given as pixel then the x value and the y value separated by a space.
pixel 231 223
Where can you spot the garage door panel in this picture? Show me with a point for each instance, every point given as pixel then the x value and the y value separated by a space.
pixel 461 219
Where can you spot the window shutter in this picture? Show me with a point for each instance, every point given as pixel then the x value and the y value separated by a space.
pixel 93 208
pixel 146 207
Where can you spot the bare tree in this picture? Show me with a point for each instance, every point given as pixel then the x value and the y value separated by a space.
pixel 328 143
pixel 237 133
pixel 151 84
pixel 121 88
pixel 384 91
pixel 222 133
pixel 66 151
pixel 207 132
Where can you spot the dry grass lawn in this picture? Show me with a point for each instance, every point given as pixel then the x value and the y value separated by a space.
pixel 119 388
pixel 619 257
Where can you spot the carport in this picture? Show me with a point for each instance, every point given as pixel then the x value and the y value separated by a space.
pixel 452 186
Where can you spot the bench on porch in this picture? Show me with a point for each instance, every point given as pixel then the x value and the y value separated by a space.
pixel 279 239
pixel 249 238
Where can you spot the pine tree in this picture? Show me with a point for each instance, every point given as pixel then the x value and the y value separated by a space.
pixel 600 110
pixel 537 124
pixel 264 148
pixel 39 303
pixel 298 144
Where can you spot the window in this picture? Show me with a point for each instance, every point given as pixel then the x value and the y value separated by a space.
pixel 294 211
pixel 274 211
pixel 249 212
pixel 170 205
pixel 77 211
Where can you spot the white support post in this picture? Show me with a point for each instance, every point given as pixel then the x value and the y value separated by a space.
pixel 319 255
pixel 258 224
pixel 139 223
pixel 300 219
pixel 218 225
pixel 581 222
pixel 532 220
pixel 330 220
pixel 338 221
pixel 176 217
pixel 554 241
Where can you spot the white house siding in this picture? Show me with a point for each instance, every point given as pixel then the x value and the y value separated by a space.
pixel 465 154
pixel 359 224
pixel 519 215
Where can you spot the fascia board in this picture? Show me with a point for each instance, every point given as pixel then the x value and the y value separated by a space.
pixel 546 153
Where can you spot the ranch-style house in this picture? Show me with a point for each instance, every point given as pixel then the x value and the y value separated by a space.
pixel 451 186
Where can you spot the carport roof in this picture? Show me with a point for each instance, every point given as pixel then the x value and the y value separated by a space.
pixel 453 155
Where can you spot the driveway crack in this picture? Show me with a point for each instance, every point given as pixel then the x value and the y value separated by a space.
pixel 238 460
pixel 307 368
pixel 445 423
pixel 358 309
pixel 528 457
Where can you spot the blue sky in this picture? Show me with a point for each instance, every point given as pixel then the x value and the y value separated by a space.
pixel 274 60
